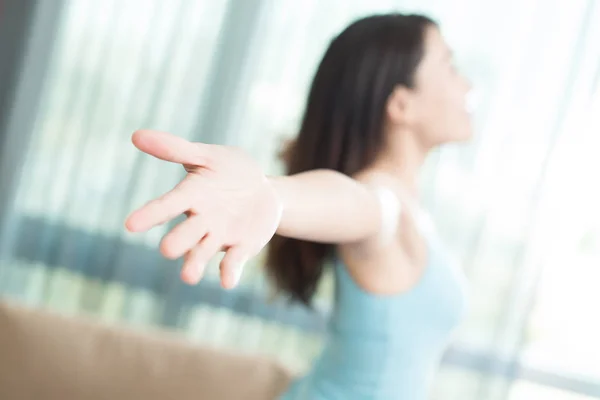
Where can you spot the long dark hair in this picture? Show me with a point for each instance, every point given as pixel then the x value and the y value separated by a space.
pixel 342 128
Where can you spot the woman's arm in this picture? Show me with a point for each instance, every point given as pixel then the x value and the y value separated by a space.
pixel 326 206
pixel 231 206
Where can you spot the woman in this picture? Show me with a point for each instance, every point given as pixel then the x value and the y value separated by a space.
pixel 385 94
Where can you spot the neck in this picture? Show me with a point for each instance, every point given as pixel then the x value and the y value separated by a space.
pixel 403 160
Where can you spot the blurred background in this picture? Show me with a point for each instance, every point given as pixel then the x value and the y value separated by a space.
pixel 518 205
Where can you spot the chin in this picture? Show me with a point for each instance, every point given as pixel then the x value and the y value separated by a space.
pixel 465 137
pixel 457 138
pixel 464 134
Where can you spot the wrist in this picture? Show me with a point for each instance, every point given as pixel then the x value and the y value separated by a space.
pixel 275 182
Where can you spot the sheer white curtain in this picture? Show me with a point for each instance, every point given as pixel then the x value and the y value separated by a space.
pixel 517 205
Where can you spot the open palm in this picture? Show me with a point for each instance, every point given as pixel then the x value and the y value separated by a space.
pixel 229 203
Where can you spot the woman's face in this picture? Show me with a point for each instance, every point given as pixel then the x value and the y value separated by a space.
pixel 438 102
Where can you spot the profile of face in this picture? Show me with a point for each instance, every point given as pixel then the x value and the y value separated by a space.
pixel 436 108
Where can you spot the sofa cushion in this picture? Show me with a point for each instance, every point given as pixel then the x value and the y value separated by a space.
pixel 44 355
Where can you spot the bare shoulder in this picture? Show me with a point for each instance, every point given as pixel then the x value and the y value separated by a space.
pixel 393 261
pixel 385 189
pixel 375 178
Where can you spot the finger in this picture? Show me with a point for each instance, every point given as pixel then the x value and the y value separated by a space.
pixel 168 147
pixel 183 237
pixel 163 209
pixel 232 266
pixel 197 258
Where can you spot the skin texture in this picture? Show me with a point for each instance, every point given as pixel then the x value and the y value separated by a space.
pixel 233 207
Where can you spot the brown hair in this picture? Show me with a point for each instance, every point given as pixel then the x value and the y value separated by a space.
pixel 342 127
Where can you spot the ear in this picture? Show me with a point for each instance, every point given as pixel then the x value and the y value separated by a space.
pixel 399 106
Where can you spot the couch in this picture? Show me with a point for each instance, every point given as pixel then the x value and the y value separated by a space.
pixel 48 356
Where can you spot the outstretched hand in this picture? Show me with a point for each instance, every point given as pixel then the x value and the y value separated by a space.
pixel 229 204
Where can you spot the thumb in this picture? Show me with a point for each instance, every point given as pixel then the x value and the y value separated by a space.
pixel 232 266
pixel 168 147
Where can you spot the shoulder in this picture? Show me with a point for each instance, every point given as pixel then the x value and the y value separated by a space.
pixel 390 206
pixel 389 209
pixel 388 262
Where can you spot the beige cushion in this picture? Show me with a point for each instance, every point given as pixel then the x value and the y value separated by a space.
pixel 47 356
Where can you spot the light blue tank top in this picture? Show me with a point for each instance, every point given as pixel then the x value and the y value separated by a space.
pixel 387 347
